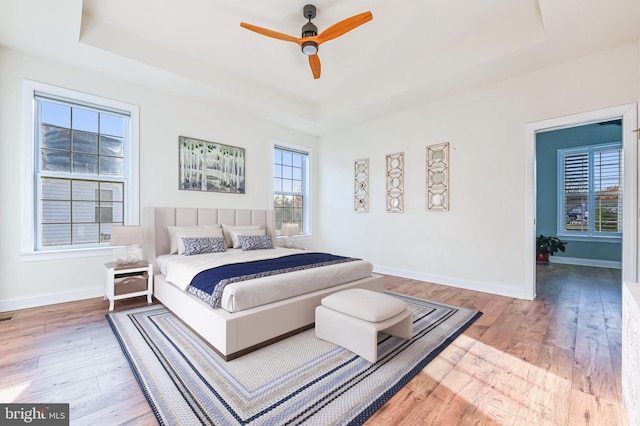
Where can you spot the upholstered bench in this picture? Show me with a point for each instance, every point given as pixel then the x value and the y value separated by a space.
pixel 352 318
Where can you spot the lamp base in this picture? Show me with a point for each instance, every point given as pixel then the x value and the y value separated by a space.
pixel 130 255
pixel 290 242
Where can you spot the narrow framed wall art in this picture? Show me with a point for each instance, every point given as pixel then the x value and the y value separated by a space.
pixel 361 185
pixel 437 185
pixel 395 182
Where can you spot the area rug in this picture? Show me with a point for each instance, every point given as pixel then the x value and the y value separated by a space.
pixel 299 380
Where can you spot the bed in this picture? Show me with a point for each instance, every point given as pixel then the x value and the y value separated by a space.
pixel 233 334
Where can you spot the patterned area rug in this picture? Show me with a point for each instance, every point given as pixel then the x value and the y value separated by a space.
pixel 299 380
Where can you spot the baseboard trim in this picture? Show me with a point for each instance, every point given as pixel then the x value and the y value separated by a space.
pixel 32 302
pixel 49 299
pixel 586 262
pixel 453 282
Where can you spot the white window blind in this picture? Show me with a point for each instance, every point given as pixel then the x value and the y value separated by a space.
pixel 576 192
pixel 607 186
pixel 590 190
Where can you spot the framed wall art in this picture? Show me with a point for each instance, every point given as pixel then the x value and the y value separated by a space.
pixel 361 186
pixel 438 177
pixel 395 182
pixel 210 166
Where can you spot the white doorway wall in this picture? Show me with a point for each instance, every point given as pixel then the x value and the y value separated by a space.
pixel 628 113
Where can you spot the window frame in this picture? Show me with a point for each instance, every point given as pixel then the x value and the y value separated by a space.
pixel 591 234
pixel 306 181
pixel 30 182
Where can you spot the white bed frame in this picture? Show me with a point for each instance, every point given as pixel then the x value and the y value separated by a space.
pixel 232 334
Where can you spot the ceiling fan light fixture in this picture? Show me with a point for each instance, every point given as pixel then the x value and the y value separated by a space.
pixel 309 48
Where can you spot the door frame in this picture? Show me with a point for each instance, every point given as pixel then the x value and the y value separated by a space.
pixel 629 115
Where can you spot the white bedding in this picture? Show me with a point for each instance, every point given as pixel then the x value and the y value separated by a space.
pixel 180 270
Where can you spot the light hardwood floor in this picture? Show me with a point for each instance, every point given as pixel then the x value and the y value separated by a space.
pixel 553 361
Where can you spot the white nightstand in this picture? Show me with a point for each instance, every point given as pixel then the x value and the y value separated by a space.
pixel 125 280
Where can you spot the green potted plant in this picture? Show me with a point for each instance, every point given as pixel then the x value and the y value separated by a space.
pixel 547 246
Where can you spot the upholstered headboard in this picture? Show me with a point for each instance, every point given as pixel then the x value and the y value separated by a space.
pixel 156 220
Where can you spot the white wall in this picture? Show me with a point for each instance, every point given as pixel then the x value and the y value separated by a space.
pixel 479 243
pixel 163 117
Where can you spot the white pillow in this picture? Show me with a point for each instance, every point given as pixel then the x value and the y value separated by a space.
pixel 173 230
pixel 227 232
pixel 246 232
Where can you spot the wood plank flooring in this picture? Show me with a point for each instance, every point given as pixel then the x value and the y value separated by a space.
pixel 552 361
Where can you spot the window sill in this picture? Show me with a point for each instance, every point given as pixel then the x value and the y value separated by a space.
pixel 36 256
pixel 297 237
pixel 590 239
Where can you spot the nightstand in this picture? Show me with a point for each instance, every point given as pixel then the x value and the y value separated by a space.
pixel 122 281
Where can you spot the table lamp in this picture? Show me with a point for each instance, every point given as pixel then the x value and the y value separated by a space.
pixel 290 229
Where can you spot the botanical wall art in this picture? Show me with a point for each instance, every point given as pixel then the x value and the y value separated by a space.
pixel 361 185
pixel 211 166
pixel 395 182
pixel 438 177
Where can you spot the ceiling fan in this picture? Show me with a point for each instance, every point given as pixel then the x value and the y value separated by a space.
pixel 310 39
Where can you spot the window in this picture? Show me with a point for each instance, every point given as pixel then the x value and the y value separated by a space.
pixel 291 187
pixel 83 179
pixel 590 191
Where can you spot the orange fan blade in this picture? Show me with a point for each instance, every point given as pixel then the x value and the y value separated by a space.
pixel 314 62
pixel 336 30
pixel 270 33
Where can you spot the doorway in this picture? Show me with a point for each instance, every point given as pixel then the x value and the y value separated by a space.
pixel 578 192
pixel 628 116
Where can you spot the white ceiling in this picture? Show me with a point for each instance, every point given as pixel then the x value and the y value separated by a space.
pixel 412 52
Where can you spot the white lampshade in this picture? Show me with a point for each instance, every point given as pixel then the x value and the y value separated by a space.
pixel 290 229
pixel 128 235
